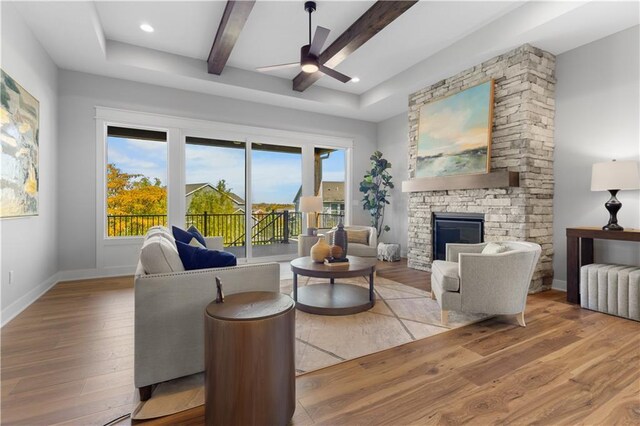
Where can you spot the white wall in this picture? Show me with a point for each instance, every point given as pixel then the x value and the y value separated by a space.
pixel 80 93
pixel 597 119
pixel 393 142
pixel 29 245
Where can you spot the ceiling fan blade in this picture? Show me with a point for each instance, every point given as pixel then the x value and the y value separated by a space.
pixel 318 40
pixel 335 74
pixel 278 67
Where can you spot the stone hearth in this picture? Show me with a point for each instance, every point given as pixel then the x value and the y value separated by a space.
pixel 522 141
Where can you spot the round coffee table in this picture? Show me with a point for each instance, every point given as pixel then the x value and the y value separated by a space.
pixel 333 298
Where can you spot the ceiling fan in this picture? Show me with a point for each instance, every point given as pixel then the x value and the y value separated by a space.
pixel 309 52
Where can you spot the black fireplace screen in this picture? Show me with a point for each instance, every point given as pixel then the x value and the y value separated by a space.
pixel 456 228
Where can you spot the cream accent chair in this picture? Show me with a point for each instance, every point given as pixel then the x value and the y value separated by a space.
pixel 496 284
pixel 356 249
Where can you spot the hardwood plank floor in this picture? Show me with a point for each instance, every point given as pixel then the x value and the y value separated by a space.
pixel 68 359
pixel 399 272
pixel 69 356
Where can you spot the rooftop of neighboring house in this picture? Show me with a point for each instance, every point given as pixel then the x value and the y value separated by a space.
pixel 191 188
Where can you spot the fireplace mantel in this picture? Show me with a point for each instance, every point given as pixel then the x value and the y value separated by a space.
pixel 501 179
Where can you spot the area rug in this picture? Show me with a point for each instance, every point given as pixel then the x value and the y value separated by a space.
pixel 401 315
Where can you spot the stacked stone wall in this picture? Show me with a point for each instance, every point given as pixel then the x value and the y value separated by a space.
pixel 522 141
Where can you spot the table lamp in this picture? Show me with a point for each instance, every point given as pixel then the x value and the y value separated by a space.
pixel 311 206
pixel 614 176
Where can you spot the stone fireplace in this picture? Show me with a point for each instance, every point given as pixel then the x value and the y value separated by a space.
pixel 522 141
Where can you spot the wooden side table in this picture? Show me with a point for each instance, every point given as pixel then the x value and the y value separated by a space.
pixel 580 252
pixel 249 360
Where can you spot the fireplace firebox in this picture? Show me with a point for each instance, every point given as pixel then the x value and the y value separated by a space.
pixel 455 228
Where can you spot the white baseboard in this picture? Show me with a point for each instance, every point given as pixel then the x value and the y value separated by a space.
pixel 560 285
pixel 11 311
pixel 86 274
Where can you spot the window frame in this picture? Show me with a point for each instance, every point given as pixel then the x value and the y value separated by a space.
pixel 101 179
pixel 177 129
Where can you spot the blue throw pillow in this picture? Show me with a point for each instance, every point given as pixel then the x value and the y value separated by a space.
pixel 200 258
pixel 186 236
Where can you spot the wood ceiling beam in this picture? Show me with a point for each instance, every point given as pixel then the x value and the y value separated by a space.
pixel 233 19
pixel 381 14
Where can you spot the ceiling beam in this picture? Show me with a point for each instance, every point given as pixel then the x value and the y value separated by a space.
pixel 374 20
pixel 233 19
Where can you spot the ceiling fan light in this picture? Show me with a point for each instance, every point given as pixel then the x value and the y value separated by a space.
pixel 309 68
pixel 309 64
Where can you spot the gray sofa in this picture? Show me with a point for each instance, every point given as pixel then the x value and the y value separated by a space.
pixel 169 310
pixel 496 284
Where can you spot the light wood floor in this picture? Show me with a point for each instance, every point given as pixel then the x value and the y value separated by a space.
pixel 68 358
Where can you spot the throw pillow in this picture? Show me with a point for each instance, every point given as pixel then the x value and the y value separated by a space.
pixel 494 248
pixel 159 256
pixel 195 243
pixel 202 258
pixel 186 236
pixel 358 236
pixel 197 235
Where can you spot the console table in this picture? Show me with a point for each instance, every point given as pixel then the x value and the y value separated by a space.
pixel 580 252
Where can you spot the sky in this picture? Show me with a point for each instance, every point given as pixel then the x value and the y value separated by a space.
pixel 276 176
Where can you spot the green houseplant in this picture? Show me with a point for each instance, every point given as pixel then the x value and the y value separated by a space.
pixel 375 187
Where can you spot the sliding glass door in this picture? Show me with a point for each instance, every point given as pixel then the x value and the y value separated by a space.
pixel 248 191
pixel 215 193
pixel 276 179
pixel 329 184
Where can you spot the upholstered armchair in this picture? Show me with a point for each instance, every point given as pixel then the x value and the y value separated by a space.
pixel 366 248
pixel 475 282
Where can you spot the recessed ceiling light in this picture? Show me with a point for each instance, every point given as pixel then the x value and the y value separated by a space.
pixel 355 80
pixel 146 28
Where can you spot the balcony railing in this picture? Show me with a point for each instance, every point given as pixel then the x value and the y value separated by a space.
pixel 229 226
pixel 266 228
pixel 131 225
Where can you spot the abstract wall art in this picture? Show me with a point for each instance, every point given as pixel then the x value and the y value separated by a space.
pixel 19 149
pixel 454 133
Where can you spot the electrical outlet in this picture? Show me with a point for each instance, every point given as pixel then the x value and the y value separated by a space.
pixel 11 275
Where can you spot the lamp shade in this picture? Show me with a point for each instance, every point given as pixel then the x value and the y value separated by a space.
pixel 310 204
pixel 615 175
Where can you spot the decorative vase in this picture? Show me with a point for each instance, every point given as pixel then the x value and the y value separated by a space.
pixel 340 239
pixel 335 252
pixel 320 250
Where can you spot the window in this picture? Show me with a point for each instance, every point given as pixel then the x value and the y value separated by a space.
pixel 329 183
pixel 276 179
pixel 136 181
pixel 215 190
pixel 239 182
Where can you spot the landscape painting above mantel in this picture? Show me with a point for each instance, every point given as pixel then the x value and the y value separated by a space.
pixel 454 134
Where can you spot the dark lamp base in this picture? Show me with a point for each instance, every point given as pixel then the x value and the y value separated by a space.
pixel 612 227
pixel 613 206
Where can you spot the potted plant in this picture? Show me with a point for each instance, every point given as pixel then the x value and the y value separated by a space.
pixel 375 187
